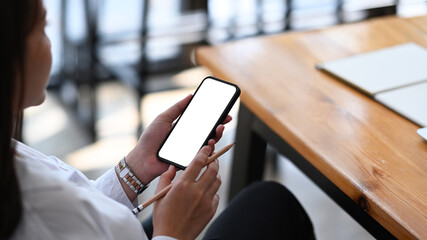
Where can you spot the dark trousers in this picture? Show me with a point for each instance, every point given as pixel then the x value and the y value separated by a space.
pixel 263 210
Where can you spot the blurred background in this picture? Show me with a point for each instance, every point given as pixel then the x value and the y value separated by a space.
pixel 117 64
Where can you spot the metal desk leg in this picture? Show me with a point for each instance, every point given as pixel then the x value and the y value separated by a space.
pixel 252 136
pixel 249 153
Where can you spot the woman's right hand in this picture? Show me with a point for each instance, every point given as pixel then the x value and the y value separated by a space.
pixel 190 204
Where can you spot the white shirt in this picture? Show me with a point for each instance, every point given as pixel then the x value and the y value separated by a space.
pixel 60 202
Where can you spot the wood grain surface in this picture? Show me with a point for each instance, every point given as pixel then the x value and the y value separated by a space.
pixel 371 153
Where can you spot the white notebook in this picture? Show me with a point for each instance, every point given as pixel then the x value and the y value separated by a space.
pixel 410 102
pixel 423 132
pixel 381 70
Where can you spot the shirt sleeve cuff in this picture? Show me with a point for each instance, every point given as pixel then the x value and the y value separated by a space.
pixel 110 185
pixel 163 238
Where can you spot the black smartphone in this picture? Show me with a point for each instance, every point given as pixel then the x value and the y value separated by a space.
pixel 208 108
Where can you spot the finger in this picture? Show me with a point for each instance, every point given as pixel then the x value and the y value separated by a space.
pixel 211 210
pixel 218 132
pixel 216 199
pixel 215 202
pixel 173 112
pixel 211 143
pixel 193 170
pixel 166 178
pixel 213 189
pixel 227 119
pixel 210 175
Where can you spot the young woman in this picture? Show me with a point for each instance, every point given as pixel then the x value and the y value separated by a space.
pixel 44 198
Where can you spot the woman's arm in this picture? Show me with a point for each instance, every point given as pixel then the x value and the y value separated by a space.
pixel 111 186
pixel 142 160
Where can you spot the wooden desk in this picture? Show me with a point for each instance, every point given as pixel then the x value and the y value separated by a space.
pixel 367 158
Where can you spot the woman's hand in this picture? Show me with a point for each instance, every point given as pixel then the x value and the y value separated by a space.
pixel 191 203
pixel 143 158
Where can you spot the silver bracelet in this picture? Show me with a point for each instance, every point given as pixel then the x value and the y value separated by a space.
pixel 129 178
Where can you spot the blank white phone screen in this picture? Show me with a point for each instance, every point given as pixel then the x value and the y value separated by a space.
pixel 197 121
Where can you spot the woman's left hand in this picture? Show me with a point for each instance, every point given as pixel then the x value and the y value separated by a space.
pixel 143 158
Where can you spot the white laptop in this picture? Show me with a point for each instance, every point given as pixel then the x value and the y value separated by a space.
pixel 394 76
pixel 381 70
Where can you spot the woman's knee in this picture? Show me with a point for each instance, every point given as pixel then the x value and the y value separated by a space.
pixel 269 191
pixel 264 210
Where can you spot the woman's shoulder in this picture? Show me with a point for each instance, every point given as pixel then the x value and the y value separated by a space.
pixel 32 170
pixel 54 205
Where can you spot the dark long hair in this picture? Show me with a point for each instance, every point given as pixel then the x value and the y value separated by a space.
pixel 17 19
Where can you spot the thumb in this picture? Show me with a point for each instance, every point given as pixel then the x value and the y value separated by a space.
pixel 166 178
pixel 173 112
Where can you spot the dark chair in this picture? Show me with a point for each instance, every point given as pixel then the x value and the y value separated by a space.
pixel 84 66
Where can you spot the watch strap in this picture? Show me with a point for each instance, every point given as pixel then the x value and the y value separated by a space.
pixel 129 177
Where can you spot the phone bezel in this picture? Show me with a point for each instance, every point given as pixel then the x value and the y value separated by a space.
pixel 220 120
